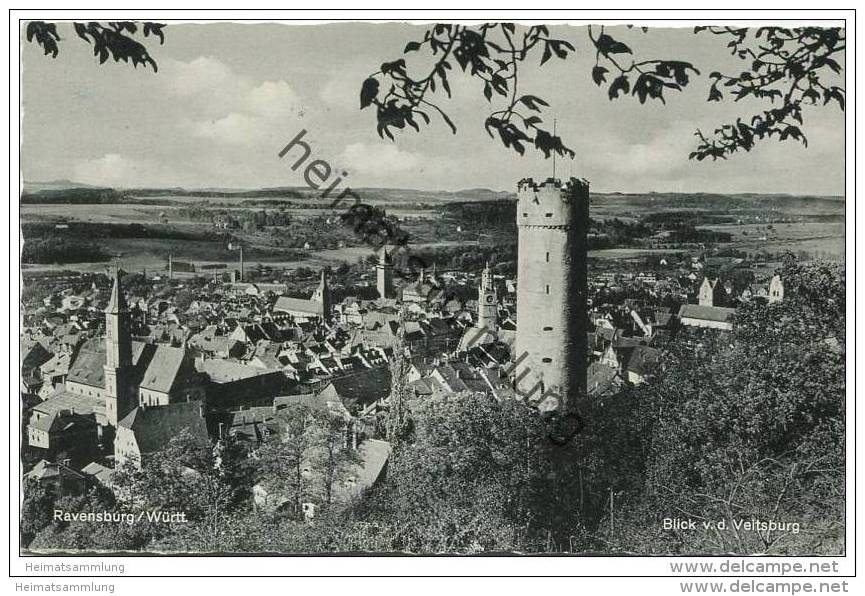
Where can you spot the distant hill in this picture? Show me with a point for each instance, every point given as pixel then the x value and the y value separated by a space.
pixel 33 186
pixel 613 203
pixel 64 191
pixel 636 203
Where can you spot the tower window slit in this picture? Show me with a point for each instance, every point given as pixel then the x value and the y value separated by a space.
pixel 548 328
pixel 546 360
pixel 547 288
pixel 548 257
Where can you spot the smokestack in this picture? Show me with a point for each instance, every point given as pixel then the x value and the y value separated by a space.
pixel 170 267
pixel 241 263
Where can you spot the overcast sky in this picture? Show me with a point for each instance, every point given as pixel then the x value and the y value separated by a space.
pixel 227 98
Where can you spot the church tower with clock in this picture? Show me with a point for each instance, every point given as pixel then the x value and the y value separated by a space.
pixel 488 304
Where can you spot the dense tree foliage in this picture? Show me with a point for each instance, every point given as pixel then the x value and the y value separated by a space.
pixel 306 460
pixel 797 67
pixel 36 510
pixel 476 475
pixel 749 427
pixel 62 250
pixel 115 40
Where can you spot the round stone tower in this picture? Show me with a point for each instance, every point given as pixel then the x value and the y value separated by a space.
pixel 551 344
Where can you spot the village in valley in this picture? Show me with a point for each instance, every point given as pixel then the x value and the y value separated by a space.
pixel 116 364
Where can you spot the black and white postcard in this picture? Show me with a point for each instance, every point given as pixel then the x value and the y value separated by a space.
pixel 568 289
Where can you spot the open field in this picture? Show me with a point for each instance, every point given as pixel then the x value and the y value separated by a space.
pixel 814 237
pixel 148 214
pixel 112 213
pixel 631 253
pixel 374 196
pixel 739 205
pixel 42 193
pixel 771 223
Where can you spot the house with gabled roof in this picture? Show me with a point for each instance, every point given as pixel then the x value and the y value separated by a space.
pixel 62 430
pixel 712 317
pixel 711 292
pixel 146 430
pixel 234 384
pixel 359 389
pixel 60 479
pixel 32 358
pixel 640 364
pixel 318 305
pixel 100 473
pixel 170 377
pixel 424 290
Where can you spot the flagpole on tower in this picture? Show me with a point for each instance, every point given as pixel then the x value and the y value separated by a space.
pixel 554 153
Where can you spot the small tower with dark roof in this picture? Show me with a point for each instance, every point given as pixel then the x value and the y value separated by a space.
pixel 120 398
pixel 384 274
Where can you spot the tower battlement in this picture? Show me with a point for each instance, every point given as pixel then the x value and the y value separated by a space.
pixel 551 203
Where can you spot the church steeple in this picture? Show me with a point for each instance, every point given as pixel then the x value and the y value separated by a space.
pixel 487 301
pixel 117 302
pixel 322 294
pixel 119 394
pixel 322 288
pixel 384 274
pixel 118 348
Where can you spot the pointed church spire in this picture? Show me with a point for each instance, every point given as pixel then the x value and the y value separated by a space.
pixel 322 292
pixel 322 295
pixel 384 256
pixel 117 302
pixel 119 395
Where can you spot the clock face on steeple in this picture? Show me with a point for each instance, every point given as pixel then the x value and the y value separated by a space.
pixel 490 298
